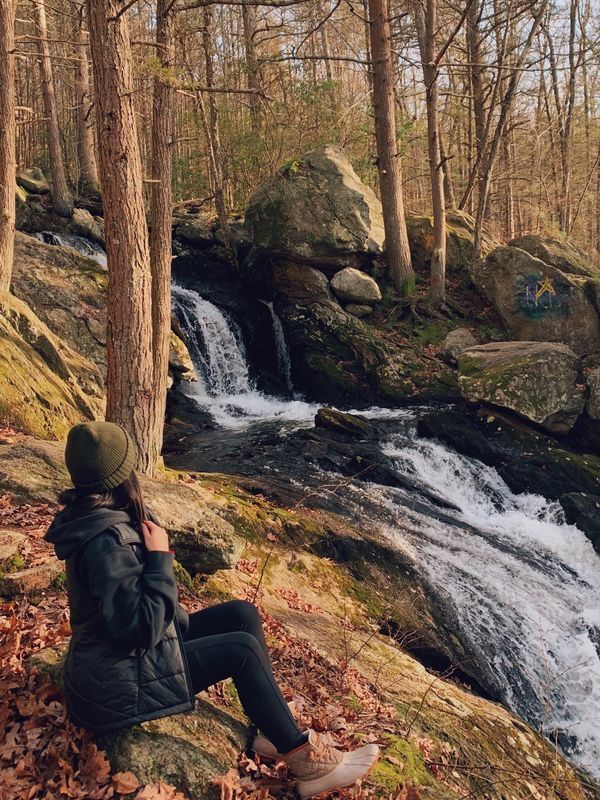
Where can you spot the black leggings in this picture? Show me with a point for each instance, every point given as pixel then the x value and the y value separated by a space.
pixel 227 641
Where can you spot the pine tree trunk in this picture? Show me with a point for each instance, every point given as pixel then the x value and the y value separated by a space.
pixel 7 141
pixel 62 200
pixel 426 24
pixel 130 384
pixel 388 159
pixel 161 210
pixel 88 169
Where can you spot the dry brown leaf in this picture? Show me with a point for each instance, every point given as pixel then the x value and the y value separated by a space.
pixel 125 782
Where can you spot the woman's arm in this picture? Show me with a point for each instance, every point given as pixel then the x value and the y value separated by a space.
pixel 137 600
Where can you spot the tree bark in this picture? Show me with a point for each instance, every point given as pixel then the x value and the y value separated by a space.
pixel 426 24
pixel 388 158
pixel 252 66
pixel 7 141
pixel 88 168
pixel 130 383
pixel 62 200
pixel 161 210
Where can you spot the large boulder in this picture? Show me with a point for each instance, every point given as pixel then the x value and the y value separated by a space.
pixel 537 380
pixel 299 282
pixel 34 471
pixel 353 286
pixel 317 210
pixel 45 386
pixel 539 302
pixel 593 383
pixel 460 237
pixel 338 359
pixel 33 180
pixel 562 255
pixel 186 751
pixel 455 343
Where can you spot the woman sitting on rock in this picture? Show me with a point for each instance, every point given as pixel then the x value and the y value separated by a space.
pixel 135 654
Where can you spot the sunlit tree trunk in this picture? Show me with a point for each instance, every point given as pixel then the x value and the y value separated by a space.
pixel 88 169
pixel 62 200
pixel 161 209
pixel 130 383
pixel 7 141
pixel 426 24
pixel 388 158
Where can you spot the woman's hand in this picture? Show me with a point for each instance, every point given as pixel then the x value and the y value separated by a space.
pixel 155 537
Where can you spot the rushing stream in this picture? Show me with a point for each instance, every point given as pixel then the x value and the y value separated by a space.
pixel 520 587
pixel 517 585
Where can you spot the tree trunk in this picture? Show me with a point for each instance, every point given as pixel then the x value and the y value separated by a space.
pixel 426 24
pixel 7 141
pixel 252 66
pixel 88 169
pixel 62 200
pixel 130 384
pixel 161 210
pixel 388 159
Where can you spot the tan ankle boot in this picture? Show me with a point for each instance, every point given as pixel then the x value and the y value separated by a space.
pixel 319 767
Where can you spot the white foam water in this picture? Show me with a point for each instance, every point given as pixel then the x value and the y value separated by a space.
pixel 524 587
pixel 224 387
pixel 79 243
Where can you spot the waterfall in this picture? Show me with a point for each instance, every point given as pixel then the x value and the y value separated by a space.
pixel 79 243
pixel 283 354
pixel 517 584
pixel 224 386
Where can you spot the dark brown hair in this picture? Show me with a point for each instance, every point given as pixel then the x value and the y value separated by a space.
pixel 127 496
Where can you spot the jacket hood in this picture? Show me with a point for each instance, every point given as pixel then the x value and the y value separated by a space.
pixel 68 532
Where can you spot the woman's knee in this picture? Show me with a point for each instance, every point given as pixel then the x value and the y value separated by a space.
pixel 245 612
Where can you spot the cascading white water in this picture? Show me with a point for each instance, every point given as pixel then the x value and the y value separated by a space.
pixel 283 353
pixel 224 387
pixel 79 243
pixel 522 586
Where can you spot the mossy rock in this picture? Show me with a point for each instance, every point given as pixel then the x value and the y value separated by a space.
pixel 60 386
pixel 537 380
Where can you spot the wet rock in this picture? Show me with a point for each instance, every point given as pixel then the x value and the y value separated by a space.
pixel 31 581
pixel 353 425
pixel 299 282
pixel 180 361
pixel 593 383
pixel 33 180
pixel 538 301
pixel 353 286
pixel 12 544
pixel 84 224
pixel 358 311
pixel 455 343
pixel 535 379
pixel 527 460
pixel 194 231
pixel 316 210
pixel 583 510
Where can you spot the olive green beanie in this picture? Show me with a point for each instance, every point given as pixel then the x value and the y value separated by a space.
pixel 99 455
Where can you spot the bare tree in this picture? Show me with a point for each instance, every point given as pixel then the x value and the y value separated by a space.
pixel 7 141
pixel 88 169
pixel 161 208
pixel 62 200
pixel 130 379
pixel 388 157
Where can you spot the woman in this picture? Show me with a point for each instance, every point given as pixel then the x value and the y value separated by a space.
pixel 135 654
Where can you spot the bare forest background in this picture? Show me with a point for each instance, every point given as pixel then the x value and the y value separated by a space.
pixel 286 76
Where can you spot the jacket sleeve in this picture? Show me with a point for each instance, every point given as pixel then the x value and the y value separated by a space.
pixel 137 600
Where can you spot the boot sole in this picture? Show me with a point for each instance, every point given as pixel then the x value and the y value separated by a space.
pixel 325 792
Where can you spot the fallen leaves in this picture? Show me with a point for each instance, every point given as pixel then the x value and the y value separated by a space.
pixel 294 601
pixel 125 782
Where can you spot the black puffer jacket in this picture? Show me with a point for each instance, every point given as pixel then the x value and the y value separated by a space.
pixel 125 661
